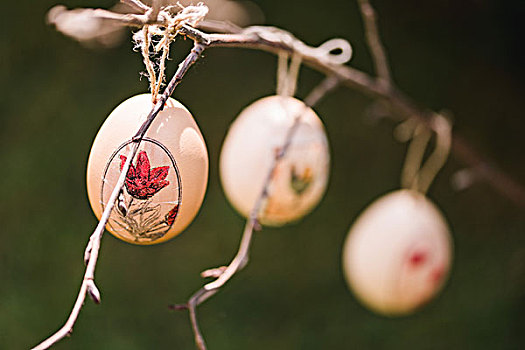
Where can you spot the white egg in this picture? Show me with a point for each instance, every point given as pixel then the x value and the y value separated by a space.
pixel 167 180
pixel 249 149
pixel 398 253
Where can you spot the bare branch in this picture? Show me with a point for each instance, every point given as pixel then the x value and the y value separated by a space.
pixel 93 248
pixel 219 27
pixel 155 9
pixel 200 296
pixel 136 5
pixel 242 255
pixel 214 272
pixel 93 291
pixel 241 258
pixel 374 42
pixel 268 39
pixel 400 105
pixel 88 285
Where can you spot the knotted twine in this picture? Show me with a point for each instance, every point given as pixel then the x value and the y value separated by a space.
pixel 160 37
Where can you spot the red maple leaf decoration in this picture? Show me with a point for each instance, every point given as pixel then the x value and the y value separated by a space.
pixel 142 182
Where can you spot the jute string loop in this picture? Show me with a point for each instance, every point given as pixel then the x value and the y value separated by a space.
pixel 415 175
pixel 334 51
pixel 287 75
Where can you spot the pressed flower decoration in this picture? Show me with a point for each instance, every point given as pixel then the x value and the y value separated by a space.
pixel 142 182
pixel 255 140
pixel 149 202
pixel 300 181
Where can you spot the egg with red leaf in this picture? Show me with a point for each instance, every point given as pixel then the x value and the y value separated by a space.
pixel 166 181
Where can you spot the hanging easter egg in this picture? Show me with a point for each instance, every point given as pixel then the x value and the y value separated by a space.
pixel 398 253
pixel 249 149
pixel 165 185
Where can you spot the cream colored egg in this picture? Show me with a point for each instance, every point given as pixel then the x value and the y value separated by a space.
pixel 249 148
pixel 398 253
pixel 165 185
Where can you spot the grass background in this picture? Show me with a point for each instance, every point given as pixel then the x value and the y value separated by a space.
pixel 465 56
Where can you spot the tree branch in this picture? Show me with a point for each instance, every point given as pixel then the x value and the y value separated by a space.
pixel 93 248
pixel 400 105
pixel 241 258
pixel 374 42
pixel 136 5
pixel 155 9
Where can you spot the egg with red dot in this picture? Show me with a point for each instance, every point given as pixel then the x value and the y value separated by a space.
pixel 398 253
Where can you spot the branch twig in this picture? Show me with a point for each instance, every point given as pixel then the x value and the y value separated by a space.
pixel 93 248
pixel 400 105
pixel 374 42
pixel 155 9
pixel 136 5
pixel 241 258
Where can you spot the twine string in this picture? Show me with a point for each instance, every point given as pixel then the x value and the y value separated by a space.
pixel 287 75
pixel 334 51
pixel 282 72
pixel 420 137
pixel 437 159
pixel 417 175
pixel 189 15
pixel 150 68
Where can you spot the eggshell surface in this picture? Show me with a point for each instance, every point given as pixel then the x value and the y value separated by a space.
pixel 167 179
pixel 250 146
pixel 398 253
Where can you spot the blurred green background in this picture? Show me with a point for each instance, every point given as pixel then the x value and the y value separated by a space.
pixel 465 56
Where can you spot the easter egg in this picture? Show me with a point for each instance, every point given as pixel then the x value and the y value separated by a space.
pixel 398 253
pixel 166 181
pixel 249 149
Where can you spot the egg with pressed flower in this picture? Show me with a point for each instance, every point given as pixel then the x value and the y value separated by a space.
pixel 398 253
pixel 249 149
pixel 166 182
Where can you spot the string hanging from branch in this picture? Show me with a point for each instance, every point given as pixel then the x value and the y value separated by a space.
pixel 417 175
pixel 160 38
pixel 225 273
pixel 287 75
